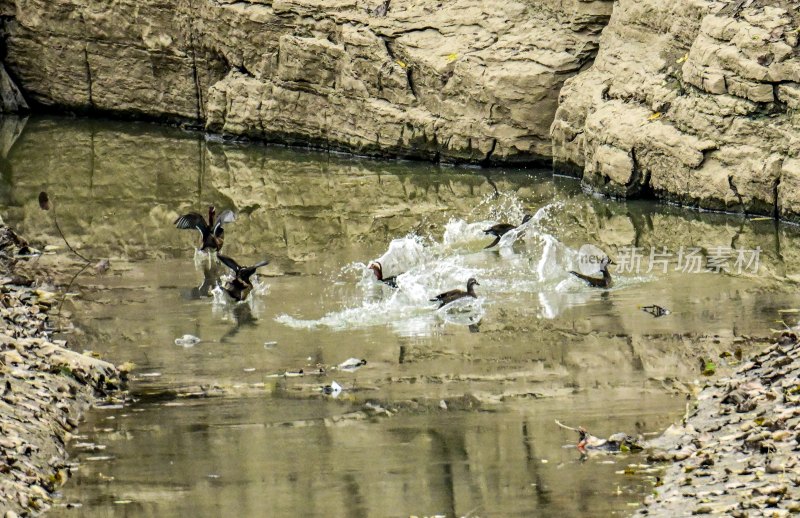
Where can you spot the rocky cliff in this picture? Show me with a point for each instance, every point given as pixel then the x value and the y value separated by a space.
pixel 463 80
pixel 690 101
pixel 693 101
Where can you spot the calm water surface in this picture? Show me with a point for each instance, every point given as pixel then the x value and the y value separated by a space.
pixel 474 390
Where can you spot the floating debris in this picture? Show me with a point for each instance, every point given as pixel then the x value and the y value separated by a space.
pixel 332 390
pixel 288 374
pixel 187 341
pixel 352 364
pixel 656 311
pixel 616 443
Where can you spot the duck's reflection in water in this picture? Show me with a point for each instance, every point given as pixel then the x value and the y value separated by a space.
pixel 212 271
pixel 242 317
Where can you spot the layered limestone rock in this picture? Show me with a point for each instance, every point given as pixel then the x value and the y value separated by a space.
pixel 694 101
pixel 11 99
pixel 466 80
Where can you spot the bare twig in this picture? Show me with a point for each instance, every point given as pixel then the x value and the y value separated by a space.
pixel 55 220
pixel 559 423
pixel 46 204
pixel 66 291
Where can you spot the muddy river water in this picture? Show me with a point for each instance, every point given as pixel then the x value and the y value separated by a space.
pixel 454 411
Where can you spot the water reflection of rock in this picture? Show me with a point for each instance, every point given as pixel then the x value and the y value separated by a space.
pixel 120 186
pixel 289 202
pixel 300 205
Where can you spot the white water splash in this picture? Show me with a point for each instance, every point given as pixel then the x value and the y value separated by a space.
pixel 528 259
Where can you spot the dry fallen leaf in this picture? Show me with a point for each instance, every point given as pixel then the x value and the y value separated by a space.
pixel 655 116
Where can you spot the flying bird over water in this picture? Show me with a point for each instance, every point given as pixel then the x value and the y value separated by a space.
pixel 212 232
pixel 502 229
pixel 453 295
pixel 240 286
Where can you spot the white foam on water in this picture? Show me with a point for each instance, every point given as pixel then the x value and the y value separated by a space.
pixel 202 258
pixel 528 259
pixel 403 253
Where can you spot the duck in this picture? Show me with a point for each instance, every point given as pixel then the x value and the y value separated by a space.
pixel 212 232
pixel 453 295
pixel 240 286
pixel 377 268
pixel 502 229
pixel 604 282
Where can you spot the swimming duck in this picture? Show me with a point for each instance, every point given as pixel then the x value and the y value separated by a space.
pixel 502 229
pixel 239 288
pixel 453 295
pixel 598 282
pixel 377 268
pixel 212 232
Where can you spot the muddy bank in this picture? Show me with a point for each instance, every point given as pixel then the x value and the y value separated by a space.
pixel 44 386
pixel 736 452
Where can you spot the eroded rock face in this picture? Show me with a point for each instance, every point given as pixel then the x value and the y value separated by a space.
pixel 464 80
pixel 694 101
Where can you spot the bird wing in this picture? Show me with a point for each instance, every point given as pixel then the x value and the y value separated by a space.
pixel 499 229
pixel 246 272
pixel 490 245
pixel 262 263
pixel 226 217
pixel 446 295
pixel 192 220
pixel 230 263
